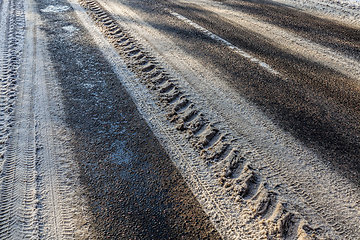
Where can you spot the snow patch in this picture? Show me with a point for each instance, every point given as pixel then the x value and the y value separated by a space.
pixel 354 2
pixel 347 11
pixel 88 85
pixel 55 9
pixel 70 29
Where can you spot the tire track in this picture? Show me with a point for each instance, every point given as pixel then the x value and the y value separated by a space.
pixel 37 199
pixel 335 213
pixel 18 185
pixel 11 41
pixel 214 146
pixel 11 34
pixel 57 204
pixel 337 218
pixel 56 211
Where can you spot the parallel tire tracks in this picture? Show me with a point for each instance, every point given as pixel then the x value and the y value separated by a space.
pixel 36 196
pixel 11 43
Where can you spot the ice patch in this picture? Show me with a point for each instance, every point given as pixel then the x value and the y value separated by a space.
pixel 70 28
pixel 354 3
pixel 349 1
pixel 88 85
pixel 55 9
pixel 120 154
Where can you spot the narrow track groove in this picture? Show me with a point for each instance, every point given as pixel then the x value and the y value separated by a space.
pixel 11 39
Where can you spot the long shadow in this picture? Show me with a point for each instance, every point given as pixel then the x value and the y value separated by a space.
pixel 316 104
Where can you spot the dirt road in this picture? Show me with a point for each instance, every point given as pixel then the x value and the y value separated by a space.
pixel 179 119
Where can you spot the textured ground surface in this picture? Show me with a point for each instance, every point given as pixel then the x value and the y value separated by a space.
pixel 179 119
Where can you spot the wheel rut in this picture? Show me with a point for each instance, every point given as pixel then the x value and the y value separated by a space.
pixel 36 199
pixel 12 24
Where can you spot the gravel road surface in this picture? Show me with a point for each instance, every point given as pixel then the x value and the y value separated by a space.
pixel 206 119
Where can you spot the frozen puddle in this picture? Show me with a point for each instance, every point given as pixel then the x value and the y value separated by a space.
pixel 120 154
pixel 55 9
